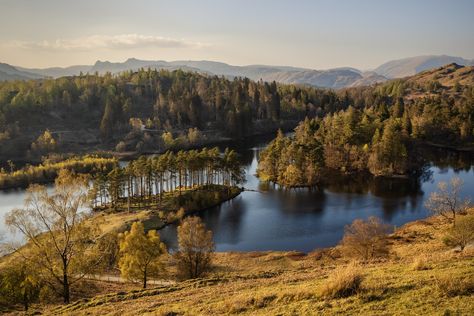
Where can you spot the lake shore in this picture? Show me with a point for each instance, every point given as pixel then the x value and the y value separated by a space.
pixel 169 212
pixel 282 282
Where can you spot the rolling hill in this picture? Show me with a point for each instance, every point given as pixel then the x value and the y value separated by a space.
pixel 8 72
pixel 332 78
pixel 410 66
pixel 335 78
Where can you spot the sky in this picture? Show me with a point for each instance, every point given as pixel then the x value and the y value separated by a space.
pixel 318 34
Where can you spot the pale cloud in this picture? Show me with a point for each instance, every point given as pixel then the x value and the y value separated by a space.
pixel 122 41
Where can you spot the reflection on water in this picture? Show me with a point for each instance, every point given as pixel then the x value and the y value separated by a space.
pixel 304 219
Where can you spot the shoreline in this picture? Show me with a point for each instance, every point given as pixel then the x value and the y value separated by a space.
pixel 122 220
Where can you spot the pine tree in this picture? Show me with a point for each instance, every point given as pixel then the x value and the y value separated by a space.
pixel 107 122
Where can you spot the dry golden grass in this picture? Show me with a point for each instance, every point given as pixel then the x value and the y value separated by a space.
pixel 343 282
pixel 421 262
pixel 292 283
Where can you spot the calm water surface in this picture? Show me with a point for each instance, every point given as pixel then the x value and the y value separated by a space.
pixel 303 219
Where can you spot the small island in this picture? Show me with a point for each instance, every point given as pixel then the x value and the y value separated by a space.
pixel 159 190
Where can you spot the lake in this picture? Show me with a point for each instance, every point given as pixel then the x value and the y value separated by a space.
pixel 305 219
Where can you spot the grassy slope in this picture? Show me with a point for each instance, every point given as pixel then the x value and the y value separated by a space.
pixel 277 283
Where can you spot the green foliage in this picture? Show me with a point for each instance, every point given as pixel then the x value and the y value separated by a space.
pixel 140 253
pixel 147 180
pixel 48 170
pixel 162 99
pixel 45 144
pixel 295 162
pixel 61 243
pixel 19 284
pixel 375 132
pixel 389 155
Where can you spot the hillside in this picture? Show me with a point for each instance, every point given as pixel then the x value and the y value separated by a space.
pixel 8 73
pixel 421 276
pixel 448 76
pixel 134 110
pixel 410 66
pixel 332 78
pixel 84 114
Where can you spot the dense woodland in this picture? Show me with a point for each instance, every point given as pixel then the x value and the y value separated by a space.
pixel 377 133
pixel 146 110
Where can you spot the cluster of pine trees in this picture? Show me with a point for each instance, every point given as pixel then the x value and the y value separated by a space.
pixel 376 133
pixel 147 180
pixel 168 100
pixel 349 141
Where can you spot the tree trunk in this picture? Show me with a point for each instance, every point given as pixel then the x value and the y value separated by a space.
pixel 25 301
pixel 65 288
pixel 65 282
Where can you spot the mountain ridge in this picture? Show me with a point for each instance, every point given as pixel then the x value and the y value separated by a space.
pixel 409 66
pixel 334 78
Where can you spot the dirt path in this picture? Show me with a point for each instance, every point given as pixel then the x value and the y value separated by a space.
pixel 118 279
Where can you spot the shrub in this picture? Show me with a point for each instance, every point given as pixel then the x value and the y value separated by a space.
pixel 421 263
pixel 121 146
pixel 195 248
pixel 366 239
pixel 343 282
pixel 461 234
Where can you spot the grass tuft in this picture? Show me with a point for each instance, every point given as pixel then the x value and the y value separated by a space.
pixel 454 286
pixel 421 263
pixel 343 282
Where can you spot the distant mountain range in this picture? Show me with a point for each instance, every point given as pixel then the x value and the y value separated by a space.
pixel 332 78
pixel 8 72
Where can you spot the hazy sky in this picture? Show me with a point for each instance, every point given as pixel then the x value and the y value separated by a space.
pixel 314 34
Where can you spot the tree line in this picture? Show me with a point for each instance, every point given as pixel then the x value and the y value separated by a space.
pixel 350 141
pixel 49 169
pixel 377 134
pixel 163 100
pixel 145 181
pixel 64 245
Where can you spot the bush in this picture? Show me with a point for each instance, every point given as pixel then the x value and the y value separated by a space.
pixel 121 146
pixel 462 234
pixel 421 263
pixel 343 282
pixel 196 246
pixel 366 239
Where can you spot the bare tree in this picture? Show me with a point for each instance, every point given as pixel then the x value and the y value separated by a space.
pixel 59 239
pixel 195 248
pixel 366 239
pixel 447 200
pixel 462 234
